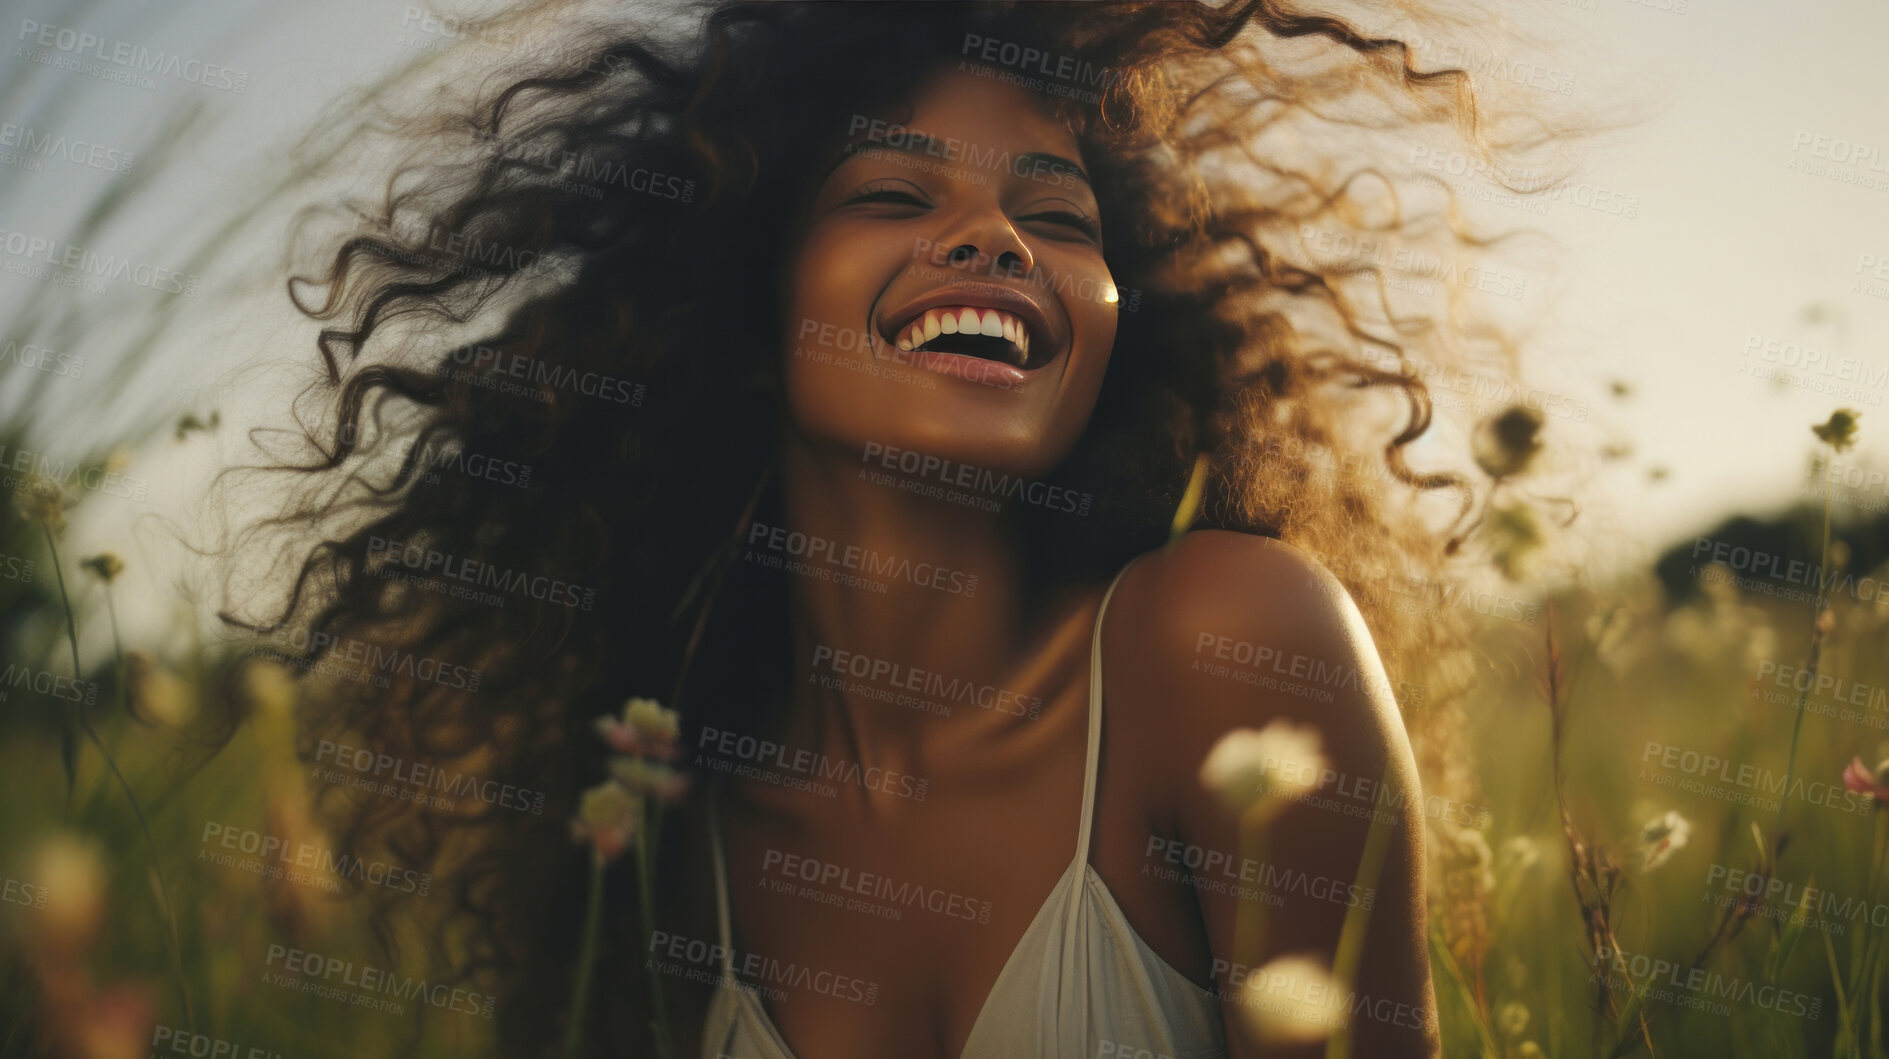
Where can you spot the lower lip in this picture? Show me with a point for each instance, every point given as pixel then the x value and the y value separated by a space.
pixel 970 369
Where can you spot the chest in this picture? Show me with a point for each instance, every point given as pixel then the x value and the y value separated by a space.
pixel 882 925
pixel 876 919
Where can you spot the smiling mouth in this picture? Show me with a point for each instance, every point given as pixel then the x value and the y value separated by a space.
pixel 970 331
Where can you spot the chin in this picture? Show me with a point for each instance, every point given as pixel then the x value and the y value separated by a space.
pixel 910 415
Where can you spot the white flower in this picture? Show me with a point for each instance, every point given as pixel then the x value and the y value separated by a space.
pixel 641 777
pixel 645 728
pixel 156 692
pixel 1663 835
pixel 70 869
pixel 1520 853
pixel 1512 1019
pixel 607 818
pixel 1248 765
pixel 1293 1001
pixel 271 686
pixel 651 720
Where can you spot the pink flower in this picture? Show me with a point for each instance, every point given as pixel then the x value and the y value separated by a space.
pixel 643 740
pixel 1858 777
pixel 647 777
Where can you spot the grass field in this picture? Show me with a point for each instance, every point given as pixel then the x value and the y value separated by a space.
pixel 1672 864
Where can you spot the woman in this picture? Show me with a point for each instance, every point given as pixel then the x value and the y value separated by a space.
pixel 927 313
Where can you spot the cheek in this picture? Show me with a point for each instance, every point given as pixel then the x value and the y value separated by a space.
pixel 837 275
pixel 825 339
pixel 1094 322
pixel 1083 385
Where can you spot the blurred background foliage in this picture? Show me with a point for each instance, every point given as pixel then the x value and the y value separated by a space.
pixel 1584 849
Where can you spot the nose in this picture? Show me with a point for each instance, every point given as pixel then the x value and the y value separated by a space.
pixel 985 240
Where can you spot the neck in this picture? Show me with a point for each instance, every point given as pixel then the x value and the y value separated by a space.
pixel 914 599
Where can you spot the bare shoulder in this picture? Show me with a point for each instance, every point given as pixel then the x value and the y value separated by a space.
pixel 1225 630
pixel 1222 632
pixel 1239 598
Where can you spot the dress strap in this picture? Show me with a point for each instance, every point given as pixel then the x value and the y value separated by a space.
pixel 721 880
pixel 1095 723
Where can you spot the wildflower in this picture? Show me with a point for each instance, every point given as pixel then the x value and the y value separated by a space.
pixel 1520 853
pixel 106 566
pixel 1515 972
pixel 71 872
pixel 1258 765
pixel 607 818
pixel 1464 868
pixel 189 423
pixel 1611 633
pixel 296 908
pixel 115 1024
pixel 645 728
pixel 1858 777
pixel 42 500
pixel 1293 1001
pixel 156 692
pixel 1662 836
pixel 270 686
pixel 270 689
pixel 1505 444
pixel 648 777
pixel 1514 535
pixel 1839 432
pixel 1512 1019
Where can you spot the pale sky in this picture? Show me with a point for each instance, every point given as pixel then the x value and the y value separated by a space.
pixel 1728 246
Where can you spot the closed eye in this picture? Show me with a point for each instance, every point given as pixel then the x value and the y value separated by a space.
pixel 879 193
pixel 869 193
pixel 1072 220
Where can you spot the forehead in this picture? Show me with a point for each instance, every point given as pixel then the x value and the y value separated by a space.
pixel 958 104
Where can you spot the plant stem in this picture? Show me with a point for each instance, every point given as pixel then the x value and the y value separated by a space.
pixel 1249 922
pixel 1869 974
pixel 1816 650
pixel 586 959
pixel 77 712
pixel 645 865
pixel 1190 499
pixel 69 739
pixel 1357 924
pixel 118 643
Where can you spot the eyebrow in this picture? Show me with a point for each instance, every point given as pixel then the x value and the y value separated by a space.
pixel 920 144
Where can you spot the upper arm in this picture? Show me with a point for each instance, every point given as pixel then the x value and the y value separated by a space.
pixel 1238 631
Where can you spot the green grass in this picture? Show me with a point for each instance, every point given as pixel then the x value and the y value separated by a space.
pixel 1512 956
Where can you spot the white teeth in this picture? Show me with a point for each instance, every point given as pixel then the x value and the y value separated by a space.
pixel 967 321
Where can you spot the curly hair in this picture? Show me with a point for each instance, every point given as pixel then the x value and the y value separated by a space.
pixel 550 352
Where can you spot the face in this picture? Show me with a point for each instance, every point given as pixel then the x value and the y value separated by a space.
pixel 948 295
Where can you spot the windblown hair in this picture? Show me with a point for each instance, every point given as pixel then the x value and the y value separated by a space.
pixel 560 316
